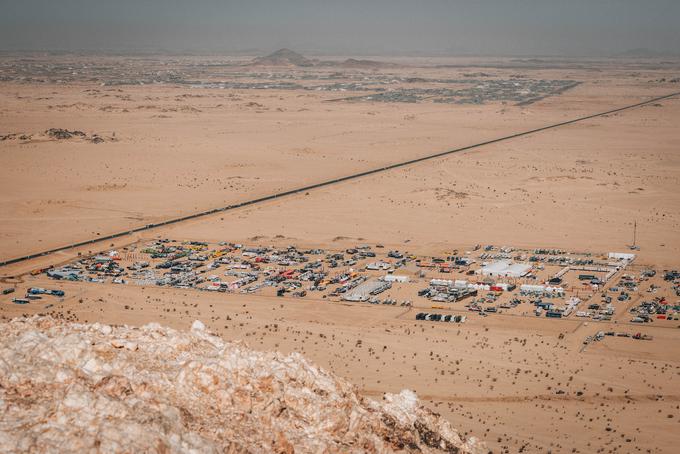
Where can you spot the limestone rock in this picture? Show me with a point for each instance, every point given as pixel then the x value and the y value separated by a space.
pixel 67 387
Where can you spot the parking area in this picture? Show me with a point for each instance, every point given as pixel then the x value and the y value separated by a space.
pixel 482 281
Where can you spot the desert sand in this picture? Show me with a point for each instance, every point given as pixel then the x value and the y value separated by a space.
pixel 170 150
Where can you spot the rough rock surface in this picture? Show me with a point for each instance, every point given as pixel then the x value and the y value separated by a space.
pixel 68 387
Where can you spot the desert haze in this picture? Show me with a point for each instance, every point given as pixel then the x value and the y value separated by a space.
pixel 524 290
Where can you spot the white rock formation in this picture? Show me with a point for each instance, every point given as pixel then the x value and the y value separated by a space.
pixel 68 387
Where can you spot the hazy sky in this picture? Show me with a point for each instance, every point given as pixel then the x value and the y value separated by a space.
pixel 519 27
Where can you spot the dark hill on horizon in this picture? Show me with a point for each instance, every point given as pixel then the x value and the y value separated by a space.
pixel 287 57
pixel 283 57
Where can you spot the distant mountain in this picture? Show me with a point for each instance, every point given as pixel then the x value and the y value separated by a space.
pixel 283 57
pixel 287 57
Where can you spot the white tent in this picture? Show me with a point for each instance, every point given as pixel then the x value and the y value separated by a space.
pixel 622 256
pixel 505 268
pixel 395 278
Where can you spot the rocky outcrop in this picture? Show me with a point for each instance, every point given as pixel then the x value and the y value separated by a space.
pixel 67 387
pixel 65 134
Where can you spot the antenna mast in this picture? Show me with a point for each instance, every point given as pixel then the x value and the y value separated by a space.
pixel 634 245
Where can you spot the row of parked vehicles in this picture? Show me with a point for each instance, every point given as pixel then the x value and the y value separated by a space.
pixel 33 293
pixel 390 302
pixel 441 317
pixel 601 334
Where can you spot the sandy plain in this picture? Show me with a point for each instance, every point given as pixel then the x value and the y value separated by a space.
pixel 178 150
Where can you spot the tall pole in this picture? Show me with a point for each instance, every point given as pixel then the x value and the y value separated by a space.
pixel 634 232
